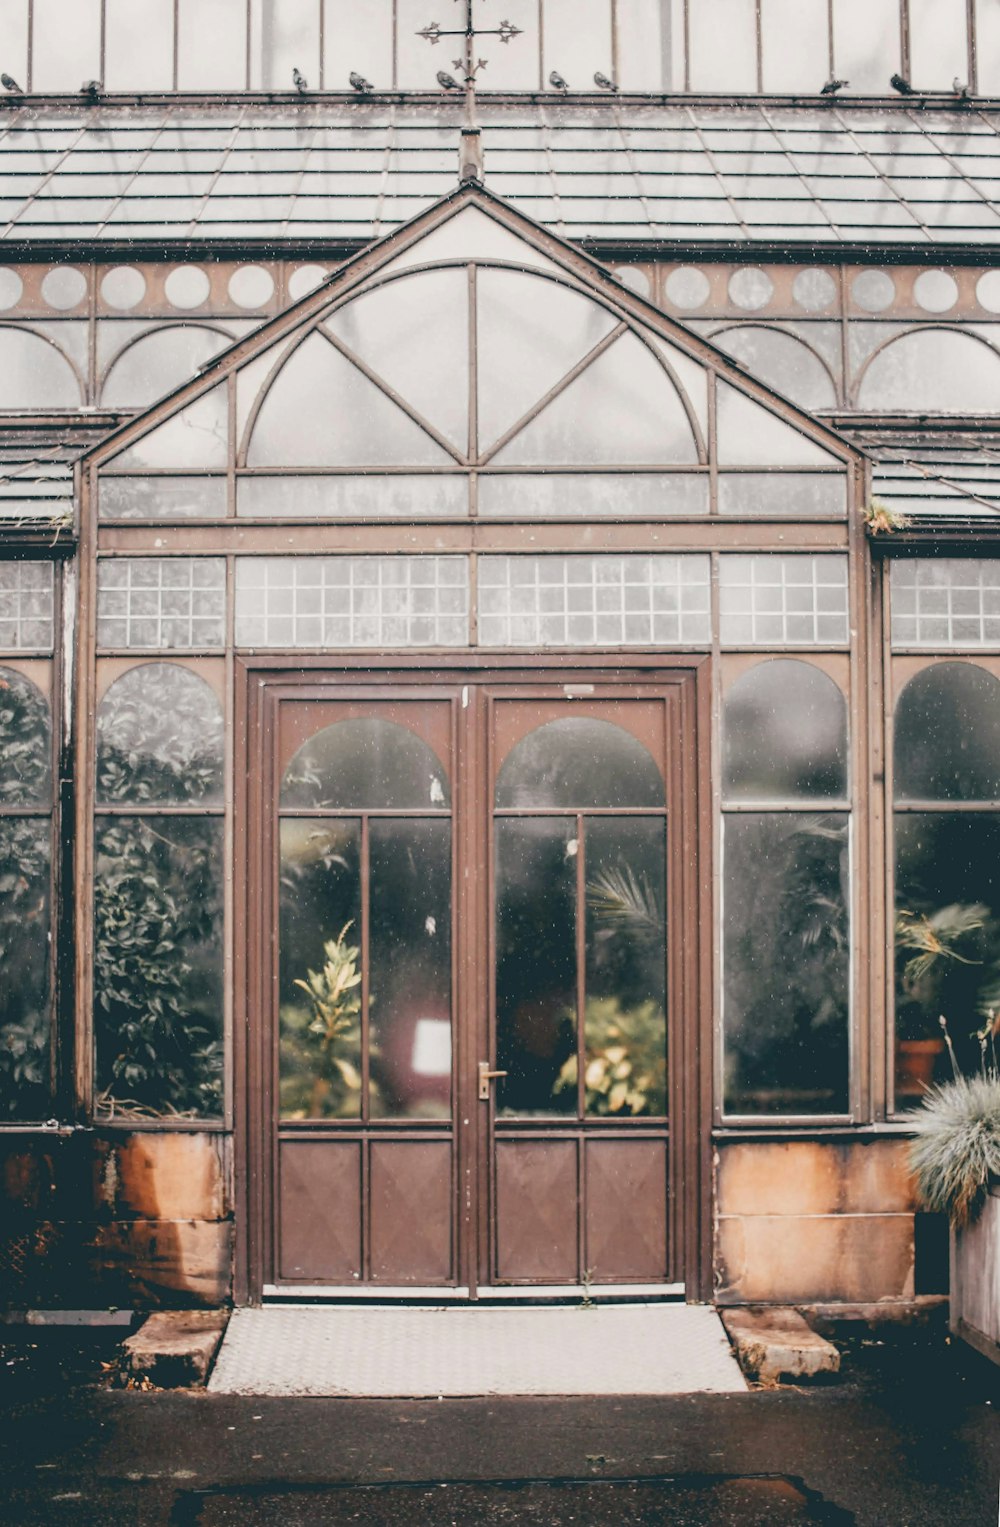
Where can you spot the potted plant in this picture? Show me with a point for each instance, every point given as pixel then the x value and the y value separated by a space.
pixel 955 1157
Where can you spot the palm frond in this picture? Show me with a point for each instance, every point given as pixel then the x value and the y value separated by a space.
pixel 623 899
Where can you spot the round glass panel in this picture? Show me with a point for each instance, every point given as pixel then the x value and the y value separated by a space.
pixel 251 286
pixel 365 764
pixel 873 290
pixel 187 286
pixel 11 287
pixel 306 279
pixel 687 287
pixel 123 288
pixel 634 277
pixel 785 735
pixel 947 745
pixel 750 288
pixel 64 287
pixel 935 291
pixel 579 762
pixel 988 291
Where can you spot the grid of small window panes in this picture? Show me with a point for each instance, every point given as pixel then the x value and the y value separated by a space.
pixel 946 602
pixel 27 606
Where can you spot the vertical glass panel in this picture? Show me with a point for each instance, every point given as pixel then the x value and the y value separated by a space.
pixel 24 968
pixel 410 955
pixel 867 47
pixel 364 764
pixel 576 41
pixel 947 745
pixel 195 437
pixel 988 47
pixel 535 875
pixel 786 963
pixel 512 65
pixel 647 33
pixel 67 44
pixel 159 362
pixel 579 762
pixel 947 941
pixel 417 60
pixel 25 742
pixel 212 45
pixel 34 374
pixel 933 371
pixel 357 39
pixel 939 43
pixel 158 1009
pixel 784 734
pixel 795 45
pixel 139 45
pixel 722 39
pixel 27 606
pixel 14 29
pixel 289 40
pixel 159 739
pixel 320 970
pixel 625 1015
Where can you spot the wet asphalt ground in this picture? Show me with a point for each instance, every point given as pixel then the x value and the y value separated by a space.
pixel 909 1436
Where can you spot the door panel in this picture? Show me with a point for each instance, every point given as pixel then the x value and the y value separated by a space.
pixel 319 1198
pixel 626 1209
pixel 536 1219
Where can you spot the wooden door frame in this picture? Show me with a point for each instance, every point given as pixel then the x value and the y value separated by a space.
pixel 691 1030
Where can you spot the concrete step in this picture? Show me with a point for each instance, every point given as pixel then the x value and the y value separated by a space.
pixel 775 1345
pixel 175 1349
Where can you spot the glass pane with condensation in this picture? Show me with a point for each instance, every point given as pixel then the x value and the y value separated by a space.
pixel 579 762
pixel 531 332
pixel 211 45
pixel 35 374
pixel 414 333
pixel 939 43
pixel 25 742
pixel 946 602
pixel 786 963
pixel 171 602
pixel 795 45
pixel 988 47
pixel 625 1002
pixel 750 435
pixel 621 409
pixel 334 602
pixel 289 39
pixel 27 607
pixel 576 41
pixel 158 362
pixel 162 498
pixel 14 26
pixel 159 739
pixel 722 39
pixel 934 370
pixel 196 436
pixel 785 363
pixel 366 764
pixel 25 994
pixel 648 33
pixel 322 411
pixel 513 65
pixel 410 968
pixel 592 495
pixel 867 45
pixel 139 45
pixel 947 737
pixel 787 495
pixel 355 497
pixel 357 40
pixel 66 44
pixel 784 735
pixel 783 601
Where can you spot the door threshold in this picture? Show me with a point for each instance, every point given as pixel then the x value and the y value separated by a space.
pixel 555 1293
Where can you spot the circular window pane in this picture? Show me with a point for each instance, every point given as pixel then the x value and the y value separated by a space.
pixel 187 287
pixel 632 276
pixel 785 735
pixel 687 287
pixel 751 288
pixel 251 286
pixel 64 288
pixel 123 288
pixel 305 279
pixel 579 762
pixel 935 291
pixel 11 287
pixel 814 290
pixel 365 764
pixel 873 290
pixel 947 745
pixel 988 291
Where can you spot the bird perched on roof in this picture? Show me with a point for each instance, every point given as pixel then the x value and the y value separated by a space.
pixel 832 86
pixel 557 82
pixel 299 81
pixel 603 83
pixel 360 84
pixel 447 81
pixel 91 89
pixel 902 86
pixel 11 85
pixel 962 91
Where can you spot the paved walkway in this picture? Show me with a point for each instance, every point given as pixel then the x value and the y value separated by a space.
pixel 636 1349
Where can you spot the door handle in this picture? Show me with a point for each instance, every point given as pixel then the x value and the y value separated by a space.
pixel 485 1077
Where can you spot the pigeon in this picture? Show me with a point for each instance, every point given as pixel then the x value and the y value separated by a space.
pixel 360 84
pixel 447 81
pixel 962 91
pixel 602 82
pixel 299 81
pixel 557 82
pixel 91 88
pixel 11 85
pixel 903 86
pixel 832 86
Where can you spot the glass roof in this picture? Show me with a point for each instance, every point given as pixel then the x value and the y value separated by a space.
pixel 835 175
pixel 931 476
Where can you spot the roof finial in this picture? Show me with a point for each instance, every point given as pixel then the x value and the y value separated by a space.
pixel 470 154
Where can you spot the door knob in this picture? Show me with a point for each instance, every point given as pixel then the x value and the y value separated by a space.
pixel 485 1077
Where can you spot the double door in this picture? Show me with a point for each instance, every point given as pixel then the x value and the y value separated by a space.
pixel 468 913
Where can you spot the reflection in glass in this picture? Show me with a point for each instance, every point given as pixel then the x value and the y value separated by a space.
pixel 364 764
pixel 784 734
pixel 25 742
pixel 320 1074
pixel 24 963
pixel 625 1008
pixel 535 963
pixel 947 941
pixel 159 738
pixel 947 745
pixel 410 977
pixel 158 1006
pixel 579 762
pixel 786 963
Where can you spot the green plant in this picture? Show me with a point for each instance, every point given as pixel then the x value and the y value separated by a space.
pixel 955 1153
pixel 881 518
pixel 321 1039
pixel 626 1067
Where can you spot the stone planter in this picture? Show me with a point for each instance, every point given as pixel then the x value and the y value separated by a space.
pixel 975 1280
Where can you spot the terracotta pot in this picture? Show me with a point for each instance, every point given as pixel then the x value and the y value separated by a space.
pixel 915 1062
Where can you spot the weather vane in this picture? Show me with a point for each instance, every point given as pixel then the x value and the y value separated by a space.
pixel 471 152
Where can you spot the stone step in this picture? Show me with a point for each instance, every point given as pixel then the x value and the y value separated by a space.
pixel 775 1345
pixel 175 1349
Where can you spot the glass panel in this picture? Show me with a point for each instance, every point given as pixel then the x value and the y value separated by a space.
pixel 946 602
pixel 159 738
pixel 158 1009
pixel 67 44
pixel 34 374
pixel 750 435
pixel 320 975
pixel 25 742
pixel 535 876
pixel 783 362
pixel 27 606
pixel 632 495
pixel 14 27
pixel 139 45
pixel 988 47
pixel 177 602
pixel 625 1016
pixel 211 45
pixel 723 45
pixel 784 735
pixel 197 436
pixel 365 764
pixel 579 761
pixel 415 333
pixel 939 43
pixel 795 44
pixel 576 41
pixel 514 65
pixel 866 43
pixel 357 40
pixel 648 34
pixel 791 495
pixel 322 412
pixel 157 363
pixel 289 40
pixel 786 963
pixel 163 498
pixel 791 601
pixel 24 961
pixel 531 332
pixel 621 409
pixel 356 497
pixel 947 941
pixel 410 953
pixel 947 745
pixel 934 371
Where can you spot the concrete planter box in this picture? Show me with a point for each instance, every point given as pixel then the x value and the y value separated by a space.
pixel 975 1280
